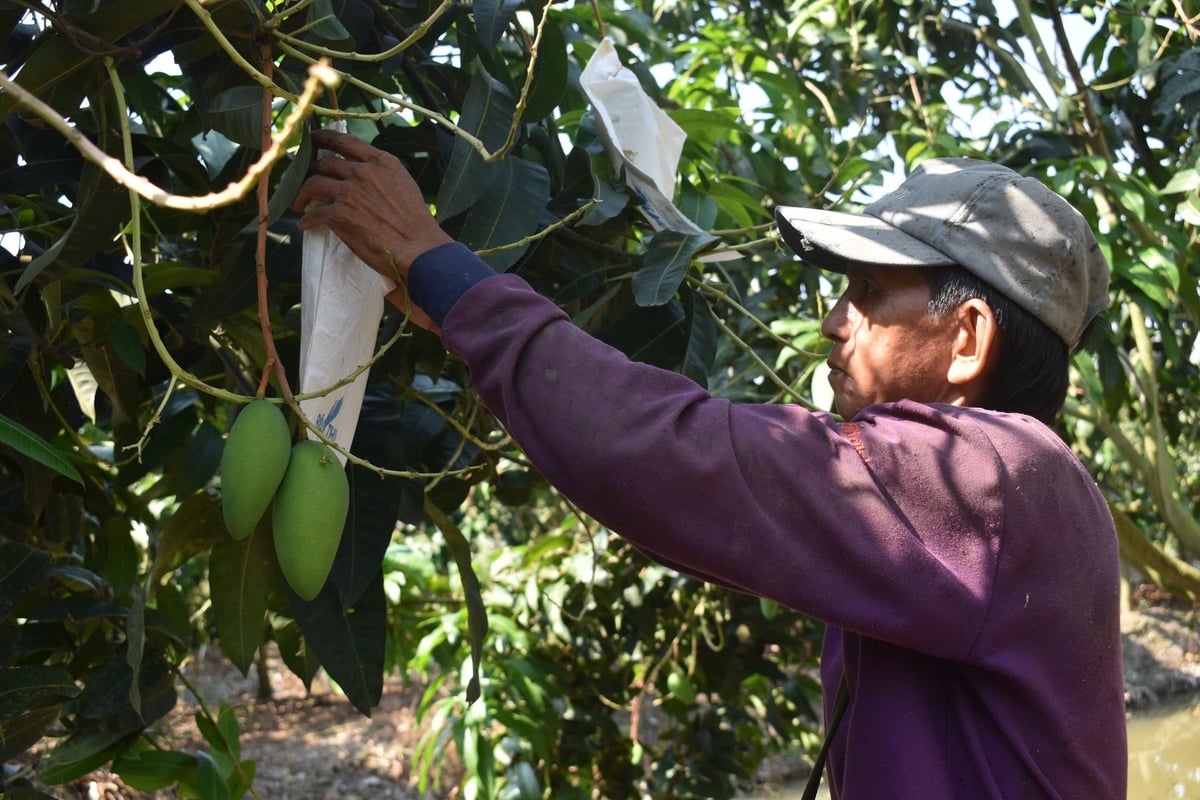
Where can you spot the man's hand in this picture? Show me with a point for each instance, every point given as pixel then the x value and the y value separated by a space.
pixel 368 199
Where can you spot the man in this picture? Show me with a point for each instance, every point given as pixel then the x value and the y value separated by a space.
pixel 963 560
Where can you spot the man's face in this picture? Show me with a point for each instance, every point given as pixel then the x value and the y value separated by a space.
pixel 886 346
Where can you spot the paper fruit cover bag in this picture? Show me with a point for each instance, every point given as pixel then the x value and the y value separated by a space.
pixel 642 142
pixel 341 304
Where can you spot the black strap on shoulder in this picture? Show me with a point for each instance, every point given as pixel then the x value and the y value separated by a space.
pixel 840 701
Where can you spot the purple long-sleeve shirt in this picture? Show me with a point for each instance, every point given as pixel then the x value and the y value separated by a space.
pixel 964 561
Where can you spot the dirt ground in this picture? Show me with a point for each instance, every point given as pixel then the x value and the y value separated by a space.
pixel 315 746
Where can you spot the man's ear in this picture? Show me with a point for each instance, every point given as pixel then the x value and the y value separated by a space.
pixel 974 342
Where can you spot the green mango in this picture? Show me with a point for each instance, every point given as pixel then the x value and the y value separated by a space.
pixel 252 465
pixel 308 517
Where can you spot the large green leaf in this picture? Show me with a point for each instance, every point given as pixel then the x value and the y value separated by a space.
pixel 477 619
pixel 22 731
pixel 325 27
pixel 25 687
pixel 508 211
pixel 114 377
pixel 701 349
pixel 348 642
pixel 551 72
pixel 294 650
pixel 491 18
pixel 151 770
pixel 81 753
pixel 237 114
pixel 29 444
pixel 291 179
pixel 201 460
pixel 374 508
pixel 194 527
pixel 239 573
pixel 487 113
pixel 668 255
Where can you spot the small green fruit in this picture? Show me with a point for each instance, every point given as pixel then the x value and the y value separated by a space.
pixel 309 514
pixel 680 685
pixel 252 465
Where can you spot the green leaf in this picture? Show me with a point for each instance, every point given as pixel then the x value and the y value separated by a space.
pixel 704 128
pixel 668 255
pixel 487 113
pixel 82 752
pixel 201 460
pixel 294 650
pixel 231 730
pixel 374 508
pixel 209 779
pixel 173 275
pixel 26 687
pixel 112 375
pixel 239 573
pixel 106 695
pixel 121 556
pixel 194 527
pixel 1183 181
pixel 135 635
pixel 349 643
pixel 19 733
pixel 151 770
pixel 477 622
pixel 29 444
pixel 508 211
pixel 128 345
pixel 550 73
pixel 236 114
pixel 491 18
pixel 290 181
pixel 701 328
pixel 326 28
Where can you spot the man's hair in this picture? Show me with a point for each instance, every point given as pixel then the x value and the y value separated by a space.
pixel 1029 369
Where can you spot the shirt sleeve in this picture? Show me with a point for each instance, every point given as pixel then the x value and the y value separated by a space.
pixel 438 277
pixel 887 526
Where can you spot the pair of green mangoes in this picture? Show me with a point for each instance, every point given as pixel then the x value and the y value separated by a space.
pixel 307 483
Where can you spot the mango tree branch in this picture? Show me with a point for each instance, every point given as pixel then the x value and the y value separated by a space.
pixel 400 102
pixel 523 100
pixel 1173 574
pixel 320 76
pixel 417 34
pixel 1163 480
pixel 260 253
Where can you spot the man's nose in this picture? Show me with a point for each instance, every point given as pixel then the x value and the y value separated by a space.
pixel 834 326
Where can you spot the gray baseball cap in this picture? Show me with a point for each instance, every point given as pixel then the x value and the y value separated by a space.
pixel 1010 231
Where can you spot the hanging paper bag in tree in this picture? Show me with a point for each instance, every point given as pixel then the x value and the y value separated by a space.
pixel 341 304
pixel 643 143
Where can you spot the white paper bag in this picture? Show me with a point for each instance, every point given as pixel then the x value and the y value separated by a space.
pixel 341 304
pixel 643 143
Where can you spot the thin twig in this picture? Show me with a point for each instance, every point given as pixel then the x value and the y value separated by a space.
pixel 320 76
pixel 273 361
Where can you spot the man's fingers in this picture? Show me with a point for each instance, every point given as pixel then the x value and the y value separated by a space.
pixel 344 144
pixel 316 188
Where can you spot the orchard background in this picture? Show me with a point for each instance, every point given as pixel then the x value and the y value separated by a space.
pixel 149 153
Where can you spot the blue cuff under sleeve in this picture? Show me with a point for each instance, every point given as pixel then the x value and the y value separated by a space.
pixel 438 277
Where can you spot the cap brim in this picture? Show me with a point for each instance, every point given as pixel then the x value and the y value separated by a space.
pixel 832 239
